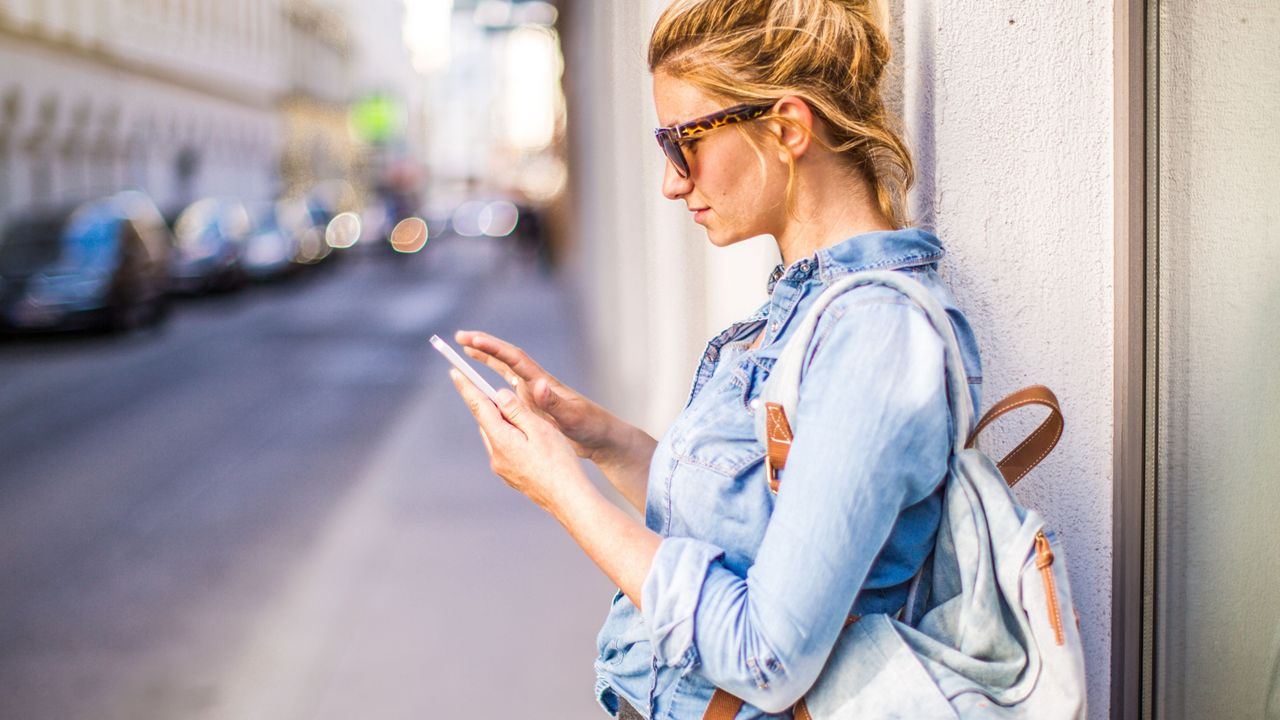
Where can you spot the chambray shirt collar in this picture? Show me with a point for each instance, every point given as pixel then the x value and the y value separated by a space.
pixel 879 250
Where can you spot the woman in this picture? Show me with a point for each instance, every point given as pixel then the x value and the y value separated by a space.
pixel 773 124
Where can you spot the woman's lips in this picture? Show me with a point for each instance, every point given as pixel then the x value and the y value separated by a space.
pixel 699 214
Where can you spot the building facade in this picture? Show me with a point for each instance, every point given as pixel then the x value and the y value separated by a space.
pixel 170 97
pixel 180 98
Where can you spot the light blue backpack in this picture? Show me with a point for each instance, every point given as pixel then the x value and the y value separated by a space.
pixel 989 630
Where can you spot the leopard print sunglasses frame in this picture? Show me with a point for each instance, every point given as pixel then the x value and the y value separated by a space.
pixel 671 139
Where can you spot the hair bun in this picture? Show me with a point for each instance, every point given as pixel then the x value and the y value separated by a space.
pixel 877 11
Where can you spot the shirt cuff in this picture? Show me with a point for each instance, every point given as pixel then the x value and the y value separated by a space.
pixel 670 595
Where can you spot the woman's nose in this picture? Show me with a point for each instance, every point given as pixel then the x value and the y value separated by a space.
pixel 674 187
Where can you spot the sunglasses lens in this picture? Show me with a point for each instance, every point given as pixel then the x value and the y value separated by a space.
pixel 675 155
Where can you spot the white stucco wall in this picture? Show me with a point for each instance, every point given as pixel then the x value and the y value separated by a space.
pixel 1009 109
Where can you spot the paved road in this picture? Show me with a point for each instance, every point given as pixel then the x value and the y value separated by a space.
pixel 276 507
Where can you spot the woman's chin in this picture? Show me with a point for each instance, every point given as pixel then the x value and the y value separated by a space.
pixel 720 238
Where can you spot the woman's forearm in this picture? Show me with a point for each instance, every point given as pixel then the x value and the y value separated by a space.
pixel 625 463
pixel 616 542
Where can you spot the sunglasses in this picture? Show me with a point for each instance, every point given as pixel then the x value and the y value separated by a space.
pixel 671 139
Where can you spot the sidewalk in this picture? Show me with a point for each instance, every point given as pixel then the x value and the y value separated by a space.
pixel 436 591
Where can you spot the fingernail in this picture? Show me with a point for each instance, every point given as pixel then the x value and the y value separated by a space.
pixel 505 396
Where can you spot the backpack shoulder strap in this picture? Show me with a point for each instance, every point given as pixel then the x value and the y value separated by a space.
pixel 781 391
pixel 1038 444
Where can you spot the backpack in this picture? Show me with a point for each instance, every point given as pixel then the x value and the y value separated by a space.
pixel 982 634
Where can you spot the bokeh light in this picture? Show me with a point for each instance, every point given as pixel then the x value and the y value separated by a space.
pixel 409 235
pixel 466 219
pixel 343 230
pixel 498 219
pixel 312 247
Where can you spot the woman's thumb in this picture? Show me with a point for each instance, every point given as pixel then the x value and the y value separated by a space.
pixel 512 408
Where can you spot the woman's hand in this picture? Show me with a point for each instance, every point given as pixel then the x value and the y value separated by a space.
pixel 525 449
pixel 585 424
pixel 534 457
pixel 621 450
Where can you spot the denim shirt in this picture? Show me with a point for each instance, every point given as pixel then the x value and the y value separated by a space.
pixel 749 590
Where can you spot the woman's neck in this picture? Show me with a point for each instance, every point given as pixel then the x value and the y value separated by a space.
pixel 828 211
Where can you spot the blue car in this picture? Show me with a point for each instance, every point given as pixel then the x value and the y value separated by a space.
pixel 271 245
pixel 102 264
pixel 210 239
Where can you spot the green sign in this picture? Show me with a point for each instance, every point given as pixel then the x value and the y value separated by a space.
pixel 376 119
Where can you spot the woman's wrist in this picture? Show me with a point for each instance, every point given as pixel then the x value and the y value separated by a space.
pixel 625 446
pixel 569 490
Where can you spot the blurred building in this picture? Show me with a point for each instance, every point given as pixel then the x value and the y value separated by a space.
pixel 388 93
pixel 316 142
pixel 177 98
pixel 190 98
pixel 496 124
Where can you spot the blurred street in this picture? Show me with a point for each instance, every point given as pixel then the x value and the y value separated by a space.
pixel 275 506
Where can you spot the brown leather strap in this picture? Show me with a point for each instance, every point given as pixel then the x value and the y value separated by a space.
pixel 1038 444
pixel 725 706
pixel 779 435
pixel 1014 466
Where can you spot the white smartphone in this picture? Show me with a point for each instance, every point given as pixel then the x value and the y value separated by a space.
pixel 464 367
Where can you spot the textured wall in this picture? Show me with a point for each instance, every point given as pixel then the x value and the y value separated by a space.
pixel 1009 109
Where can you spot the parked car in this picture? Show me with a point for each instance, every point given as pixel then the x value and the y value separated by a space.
pixel 210 237
pixel 306 222
pixel 271 246
pixel 104 263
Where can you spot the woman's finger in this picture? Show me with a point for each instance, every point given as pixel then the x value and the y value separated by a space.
pixel 544 397
pixel 487 415
pixel 517 360
pixel 517 412
pixel 491 362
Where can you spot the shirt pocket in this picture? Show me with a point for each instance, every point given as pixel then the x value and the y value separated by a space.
pixel 749 376
pixel 717 431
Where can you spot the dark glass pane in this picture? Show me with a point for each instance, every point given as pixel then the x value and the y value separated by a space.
pixel 1217 587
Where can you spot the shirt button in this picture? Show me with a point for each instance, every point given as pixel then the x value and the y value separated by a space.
pixel 774 327
pixel 755 404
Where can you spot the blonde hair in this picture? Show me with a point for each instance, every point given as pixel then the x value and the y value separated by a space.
pixel 831 53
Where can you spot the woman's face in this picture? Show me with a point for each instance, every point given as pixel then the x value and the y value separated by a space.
pixel 733 191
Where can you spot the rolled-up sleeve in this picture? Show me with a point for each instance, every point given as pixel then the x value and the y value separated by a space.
pixel 872 437
pixel 671 592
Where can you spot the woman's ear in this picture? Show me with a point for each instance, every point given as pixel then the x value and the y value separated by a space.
pixel 792 124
